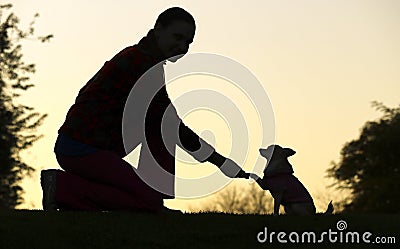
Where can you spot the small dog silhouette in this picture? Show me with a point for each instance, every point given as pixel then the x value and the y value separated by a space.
pixel 285 188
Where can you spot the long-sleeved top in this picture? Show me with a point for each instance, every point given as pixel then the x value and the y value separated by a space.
pixel 96 117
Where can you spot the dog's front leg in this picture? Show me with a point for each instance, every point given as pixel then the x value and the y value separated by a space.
pixel 277 201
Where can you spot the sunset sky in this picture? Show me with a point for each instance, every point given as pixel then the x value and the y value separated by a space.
pixel 321 62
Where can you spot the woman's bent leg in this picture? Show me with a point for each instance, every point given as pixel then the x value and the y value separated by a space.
pixel 103 181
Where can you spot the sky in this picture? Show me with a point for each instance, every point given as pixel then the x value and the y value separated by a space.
pixel 320 62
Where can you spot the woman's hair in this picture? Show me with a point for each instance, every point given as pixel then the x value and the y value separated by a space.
pixel 174 14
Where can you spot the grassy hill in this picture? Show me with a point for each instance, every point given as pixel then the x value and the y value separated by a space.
pixel 118 230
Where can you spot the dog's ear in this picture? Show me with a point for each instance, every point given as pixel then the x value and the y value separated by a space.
pixel 288 152
pixel 266 153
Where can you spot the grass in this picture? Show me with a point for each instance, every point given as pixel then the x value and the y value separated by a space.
pixel 119 230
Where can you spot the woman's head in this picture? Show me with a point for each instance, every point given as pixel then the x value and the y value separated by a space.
pixel 174 14
pixel 174 32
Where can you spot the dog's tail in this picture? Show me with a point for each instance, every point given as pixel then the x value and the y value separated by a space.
pixel 330 208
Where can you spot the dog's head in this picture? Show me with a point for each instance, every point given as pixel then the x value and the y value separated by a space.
pixel 276 152
pixel 277 159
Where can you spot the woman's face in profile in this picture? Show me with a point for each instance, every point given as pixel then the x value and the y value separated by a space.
pixel 174 40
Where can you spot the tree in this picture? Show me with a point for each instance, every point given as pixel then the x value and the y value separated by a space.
pixel 17 122
pixel 370 166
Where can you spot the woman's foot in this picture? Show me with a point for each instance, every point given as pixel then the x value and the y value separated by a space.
pixel 48 182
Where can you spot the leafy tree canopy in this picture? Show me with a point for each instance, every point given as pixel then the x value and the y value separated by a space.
pixel 370 165
pixel 17 122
